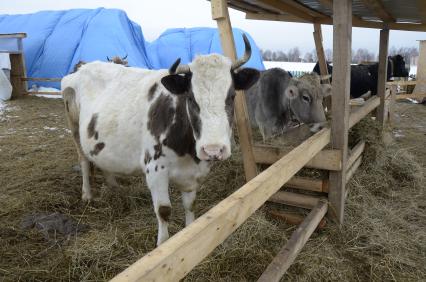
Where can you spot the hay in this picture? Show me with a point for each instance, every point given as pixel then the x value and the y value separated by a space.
pixel 383 237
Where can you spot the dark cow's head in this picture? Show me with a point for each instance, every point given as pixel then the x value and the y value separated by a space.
pixel 209 84
pixel 306 94
pixel 397 67
pixel 118 60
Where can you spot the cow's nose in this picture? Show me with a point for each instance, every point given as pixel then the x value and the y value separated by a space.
pixel 316 127
pixel 212 152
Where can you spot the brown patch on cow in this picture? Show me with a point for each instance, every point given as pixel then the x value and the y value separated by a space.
pixel 78 66
pixel 96 135
pixel 229 105
pixel 165 212
pixel 180 137
pixel 158 151
pixel 156 167
pixel 147 157
pixel 162 167
pixel 91 126
pixel 151 91
pixel 97 149
pixel 160 115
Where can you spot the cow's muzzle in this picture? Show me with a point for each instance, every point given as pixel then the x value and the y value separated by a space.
pixel 315 127
pixel 213 152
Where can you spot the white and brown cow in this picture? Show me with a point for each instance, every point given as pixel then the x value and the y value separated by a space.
pixel 168 124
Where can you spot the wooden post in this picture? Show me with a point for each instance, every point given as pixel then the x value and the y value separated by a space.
pixel 421 69
pixel 321 58
pixel 17 73
pixel 221 15
pixel 342 39
pixel 382 75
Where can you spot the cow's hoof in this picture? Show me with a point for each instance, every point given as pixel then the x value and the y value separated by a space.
pixel 87 197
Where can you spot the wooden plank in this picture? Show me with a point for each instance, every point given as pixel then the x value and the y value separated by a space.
pixel 42 92
pixel 220 13
pixel 351 171
pixel 13 35
pixel 308 184
pixel 40 79
pixel 342 43
pixel 274 17
pixel 393 90
pixel 286 8
pixel 421 66
pixel 412 96
pixel 326 159
pixel 377 7
pixel 295 199
pixel 173 259
pixel 304 9
pixel 360 112
pixel 404 83
pixel 17 72
pixel 293 218
pixel 287 255
pixel 356 152
pixel 382 75
pixel 321 59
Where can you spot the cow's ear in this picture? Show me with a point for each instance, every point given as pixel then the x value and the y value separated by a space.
pixel 325 90
pixel 245 78
pixel 176 83
pixel 292 92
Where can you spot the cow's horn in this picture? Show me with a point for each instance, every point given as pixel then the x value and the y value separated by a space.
pixel 176 68
pixel 125 57
pixel 247 54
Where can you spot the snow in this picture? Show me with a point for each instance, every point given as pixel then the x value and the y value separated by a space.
pixel 290 66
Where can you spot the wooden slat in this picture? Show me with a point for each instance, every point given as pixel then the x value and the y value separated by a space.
pixel 305 9
pixel 377 7
pixel 351 170
pixel 356 152
pixel 382 75
pixel 40 79
pixel 274 17
pixel 308 184
pixel 342 43
pixel 173 259
pixel 321 60
pixel 42 92
pixel 13 35
pixel 220 14
pixel 360 112
pixel 404 83
pixel 17 63
pixel 293 218
pixel 326 159
pixel 412 96
pixel 295 199
pixel 298 239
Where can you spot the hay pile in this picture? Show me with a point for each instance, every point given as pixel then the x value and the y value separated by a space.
pixel 383 237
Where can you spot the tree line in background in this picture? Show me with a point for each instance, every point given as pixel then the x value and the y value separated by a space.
pixel 358 56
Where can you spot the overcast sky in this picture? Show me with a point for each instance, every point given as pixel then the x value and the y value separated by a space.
pixel 155 16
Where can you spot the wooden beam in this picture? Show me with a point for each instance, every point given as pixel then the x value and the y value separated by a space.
pixel 17 72
pixel 274 17
pixel 43 93
pixel 342 43
pixel 304 9
pixel 356 152
pixel 321 60
pixel 286 8
pixel 351 170
pixel 326 159
pixel 411 96
pixel 295 199
pixel 293 218
pixel 173 259
pixel 287 255
pixel 382 75
pixel 360 112
pixel 308 184
pixel 377 7
pixel 404 83
pixel 40 79
pixel 220 14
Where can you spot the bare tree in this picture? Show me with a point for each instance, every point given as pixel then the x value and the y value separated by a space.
pixel 294 54
pixel 308 58
pixel 328 55
pixel 362 55
pixel 267 55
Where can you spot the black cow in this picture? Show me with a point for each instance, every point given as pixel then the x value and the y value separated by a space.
pixel 364 77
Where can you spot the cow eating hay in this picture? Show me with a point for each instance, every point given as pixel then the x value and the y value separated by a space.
pixel 168 124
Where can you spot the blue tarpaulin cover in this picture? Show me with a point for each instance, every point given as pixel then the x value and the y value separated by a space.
pixel 57 40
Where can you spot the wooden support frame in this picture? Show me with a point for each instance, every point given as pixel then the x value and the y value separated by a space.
pixel 308 184
pixel 298 239
pixel 221 15
pixel 293 218
pixel 321 59
pixel 173 259
pixel 360 112
pixel 351 171
pixel 382 77
pixel 326 159
pixel 356 152
pixel 17 72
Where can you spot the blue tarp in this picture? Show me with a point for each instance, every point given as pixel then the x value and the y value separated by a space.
pixel 57 40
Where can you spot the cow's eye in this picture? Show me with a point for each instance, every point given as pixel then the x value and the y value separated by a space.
pixel 306 98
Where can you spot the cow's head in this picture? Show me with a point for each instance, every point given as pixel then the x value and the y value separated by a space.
pixel 306 95
pixel 397 66
pixel 209 85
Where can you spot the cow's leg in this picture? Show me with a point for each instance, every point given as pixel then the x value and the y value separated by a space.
pixel 72 113
pixel 188 199
pixel 158 183
pixel 110 180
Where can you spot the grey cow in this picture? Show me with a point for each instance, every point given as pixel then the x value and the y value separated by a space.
pixel 277 99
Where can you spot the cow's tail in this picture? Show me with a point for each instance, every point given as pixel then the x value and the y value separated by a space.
pixel 72 111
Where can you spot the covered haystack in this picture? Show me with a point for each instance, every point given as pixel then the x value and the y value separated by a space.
pixel 383 237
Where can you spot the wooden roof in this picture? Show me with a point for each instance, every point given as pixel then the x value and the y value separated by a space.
pixel 393 14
